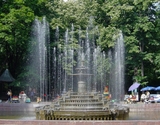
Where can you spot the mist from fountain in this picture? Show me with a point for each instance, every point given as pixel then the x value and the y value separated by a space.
pixel 116 76
pixel 65 58
pixel 39 80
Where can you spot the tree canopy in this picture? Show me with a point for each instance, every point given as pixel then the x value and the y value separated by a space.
pixel 139 21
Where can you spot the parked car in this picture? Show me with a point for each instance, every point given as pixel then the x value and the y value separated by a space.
pixel 154 98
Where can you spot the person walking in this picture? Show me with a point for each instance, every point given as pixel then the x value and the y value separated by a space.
pixel 9 93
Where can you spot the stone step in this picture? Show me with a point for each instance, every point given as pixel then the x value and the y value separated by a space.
pixel 81 108
pixel 81 103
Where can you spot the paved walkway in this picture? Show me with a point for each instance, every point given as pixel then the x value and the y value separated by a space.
pixel 50 122
pixel 144 107
pixel 21 106
pixel 31 106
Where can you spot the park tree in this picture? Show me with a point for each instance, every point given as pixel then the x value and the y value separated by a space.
pixel 14 34
pixel 64 14
pixel 16 18
pixel 138 22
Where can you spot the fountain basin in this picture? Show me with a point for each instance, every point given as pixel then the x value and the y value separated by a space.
pixel 86 106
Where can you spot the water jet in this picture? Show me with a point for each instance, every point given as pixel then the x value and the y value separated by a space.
pixel 79 76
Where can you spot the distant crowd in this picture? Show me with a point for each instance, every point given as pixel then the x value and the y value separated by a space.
pixel 133 98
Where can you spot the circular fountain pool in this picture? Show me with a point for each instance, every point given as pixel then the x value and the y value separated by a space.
pixel 149 115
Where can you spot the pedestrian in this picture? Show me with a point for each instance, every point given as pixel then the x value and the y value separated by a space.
pixel 147 95
pixel 143 97
pixel 9 94
pixel 32 95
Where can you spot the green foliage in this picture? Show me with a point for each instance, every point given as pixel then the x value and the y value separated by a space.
pixel 107 37
pixel 63 14
pixel 102 65
pixel 15 21
pixel 14 25
pixel 157 63
pixel 139 21
pixel 38 6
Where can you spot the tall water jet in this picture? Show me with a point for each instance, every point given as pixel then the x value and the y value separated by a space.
pixel 117 60
pixel 79 75
pixel 55 78
pixel 39 61
pixel 95 60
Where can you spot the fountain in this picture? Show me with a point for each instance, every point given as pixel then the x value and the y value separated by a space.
pixel 38 60
pixel 81 105
pixel 116 77
pixel 79 77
